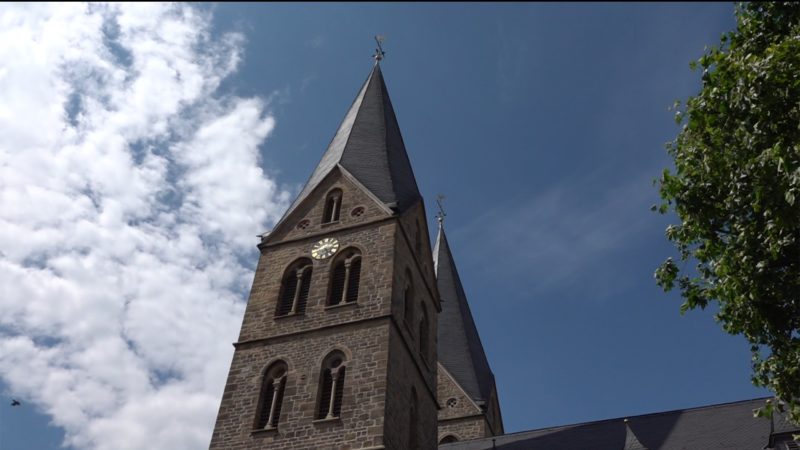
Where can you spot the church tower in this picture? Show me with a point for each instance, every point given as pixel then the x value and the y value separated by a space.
pixel 338 346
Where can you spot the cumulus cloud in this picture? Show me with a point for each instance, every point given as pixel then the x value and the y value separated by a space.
pixel 130 193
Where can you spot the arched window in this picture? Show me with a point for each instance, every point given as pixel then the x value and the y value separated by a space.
pixel 448 439
pixel 408 301
pixel 331 387
pixel 423 332
pixel 333 204
pixel 271 398
pixel 413 431
pixel 294 288
pixel 345 277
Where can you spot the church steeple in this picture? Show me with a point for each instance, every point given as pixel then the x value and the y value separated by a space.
pixel 368 146
pixel 459 345
pixel 460 348
pixel 336 347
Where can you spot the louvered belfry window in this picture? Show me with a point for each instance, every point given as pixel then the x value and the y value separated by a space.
pixel 270 401
pixel 331 387
pixel 294 289
pixel 345 278
pixel 333 205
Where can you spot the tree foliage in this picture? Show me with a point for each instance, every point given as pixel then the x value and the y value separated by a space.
pixel 736 190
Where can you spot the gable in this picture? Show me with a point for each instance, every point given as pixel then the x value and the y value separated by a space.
pixel 357 206
pixel 369 146
pixel 449 391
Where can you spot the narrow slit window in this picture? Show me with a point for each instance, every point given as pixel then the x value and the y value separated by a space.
pixel 408 303
pixel 333 206
pixel 423 333
pixel 270 401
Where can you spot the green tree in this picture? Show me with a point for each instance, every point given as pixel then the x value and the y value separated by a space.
pixel 736 190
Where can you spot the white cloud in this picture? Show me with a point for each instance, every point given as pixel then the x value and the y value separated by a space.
pixel 130 192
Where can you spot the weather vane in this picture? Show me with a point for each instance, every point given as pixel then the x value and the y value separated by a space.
pixel 379 51
pixel 441 214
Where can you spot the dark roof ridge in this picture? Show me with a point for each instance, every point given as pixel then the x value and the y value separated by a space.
pixel 594 422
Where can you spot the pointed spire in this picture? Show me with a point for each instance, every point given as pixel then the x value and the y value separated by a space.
pixel 631 441
pixel 369 146
pixel 460 349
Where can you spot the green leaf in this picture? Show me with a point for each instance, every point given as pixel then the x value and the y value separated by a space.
pixel 734 189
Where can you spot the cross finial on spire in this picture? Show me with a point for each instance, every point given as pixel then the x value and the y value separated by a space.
pixel 379 51
pixel 441 214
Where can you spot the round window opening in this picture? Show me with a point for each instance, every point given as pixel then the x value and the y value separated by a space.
pixel 452 402
pixel 358 211
pixel 303 224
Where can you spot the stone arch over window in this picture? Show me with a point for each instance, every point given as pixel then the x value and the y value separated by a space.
pixel 295 285
pixel 423 332
pixel 333 206
pixel 345 277
pixel 413 432
pixel 331 385
pixel 408 300
pixel 270 400
pixel 448 439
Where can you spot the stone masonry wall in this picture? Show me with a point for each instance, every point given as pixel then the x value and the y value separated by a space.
pixel 464 429
pixel 455 402
pixel 384 360
pixel 376 242
pixel 407 263
pixel 409 364
pixel 459 415
pixel 361 421
pixel 403 374
pixel 312 210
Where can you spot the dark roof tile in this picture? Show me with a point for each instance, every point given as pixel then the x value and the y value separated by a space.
pixel 369 146
pixel 459 345
pixel 729 426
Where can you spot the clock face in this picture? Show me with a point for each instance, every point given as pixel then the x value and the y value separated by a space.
pixel 325 248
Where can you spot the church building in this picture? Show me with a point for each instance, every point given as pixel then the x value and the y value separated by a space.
pixel 358 336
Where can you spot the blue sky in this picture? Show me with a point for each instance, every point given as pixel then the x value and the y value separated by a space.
pixel 542 124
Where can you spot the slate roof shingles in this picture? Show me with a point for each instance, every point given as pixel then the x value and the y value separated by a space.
pixel 729 426
pixel 459 345
pixel 368 144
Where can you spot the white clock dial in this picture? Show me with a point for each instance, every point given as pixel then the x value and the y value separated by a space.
pixel 325 248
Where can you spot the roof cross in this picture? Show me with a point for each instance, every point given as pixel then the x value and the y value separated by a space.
pixel 441 214
pixel 379 51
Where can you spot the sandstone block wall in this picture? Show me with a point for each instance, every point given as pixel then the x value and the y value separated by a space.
pixel 361 420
